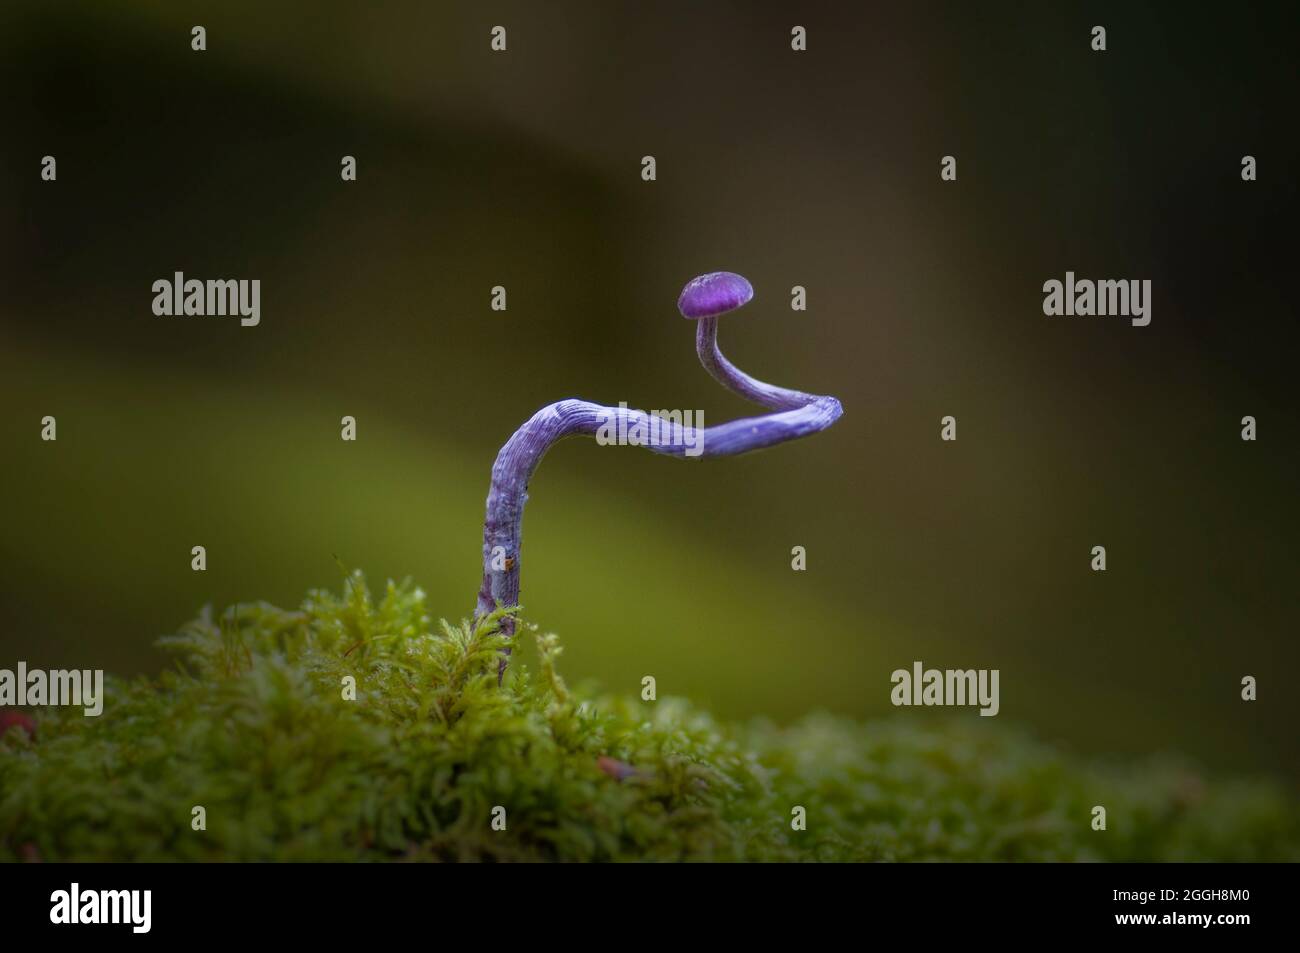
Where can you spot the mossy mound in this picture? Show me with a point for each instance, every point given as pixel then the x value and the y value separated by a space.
pixel 253 726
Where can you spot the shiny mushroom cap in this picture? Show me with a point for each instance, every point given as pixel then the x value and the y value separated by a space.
pixel 715 293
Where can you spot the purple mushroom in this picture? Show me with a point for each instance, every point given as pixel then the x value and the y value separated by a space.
pixel 704 299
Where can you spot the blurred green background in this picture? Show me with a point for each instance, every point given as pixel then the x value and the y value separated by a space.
pixel 819 169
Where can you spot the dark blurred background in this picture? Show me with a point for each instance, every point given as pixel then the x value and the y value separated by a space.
pixel 819 169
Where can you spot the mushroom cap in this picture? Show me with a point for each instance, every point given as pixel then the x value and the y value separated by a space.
pixel 715 293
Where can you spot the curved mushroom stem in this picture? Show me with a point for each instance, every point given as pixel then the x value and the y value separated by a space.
pixel 736 380
pixel 797 415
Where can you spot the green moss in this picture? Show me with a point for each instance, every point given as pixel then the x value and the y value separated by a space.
pixel 252 725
